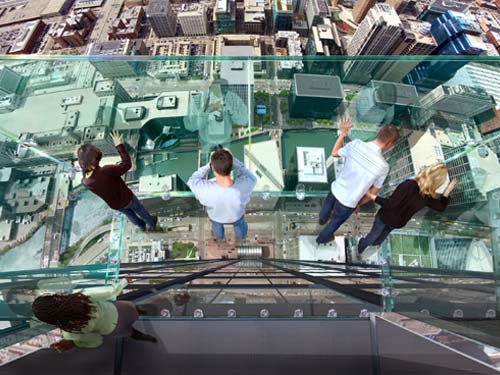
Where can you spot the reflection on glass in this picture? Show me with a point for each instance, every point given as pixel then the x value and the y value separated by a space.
pixel 300 192
pixel 214 114
pixel 268 115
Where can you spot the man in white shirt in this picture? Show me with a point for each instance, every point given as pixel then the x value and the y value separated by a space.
pixel 365 170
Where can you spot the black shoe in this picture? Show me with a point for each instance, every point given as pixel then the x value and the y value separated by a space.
pixel 151 339
pixel 154 228
pixel 140 336
pixel 141 310
pixel 324 243
pixel 347 243
pixel 146 337
pixel 360 252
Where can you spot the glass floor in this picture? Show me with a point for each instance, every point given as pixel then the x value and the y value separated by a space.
pixel 279 116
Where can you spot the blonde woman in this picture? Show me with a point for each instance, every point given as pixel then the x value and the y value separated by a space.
pixel 408 198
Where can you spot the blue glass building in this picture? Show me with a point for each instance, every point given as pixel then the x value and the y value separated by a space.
pixel 455 35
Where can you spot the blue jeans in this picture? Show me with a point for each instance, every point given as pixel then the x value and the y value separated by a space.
pixel 137 214
pixel 240 229
pixel 340 214
pixel 377 235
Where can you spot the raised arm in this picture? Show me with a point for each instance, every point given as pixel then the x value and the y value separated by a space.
pixel 441 203
pixel 438 204
pixel 198 180
pixel 82 340
pixel 102 293
pixel 245 179
pixel 344 126
pixel 125 164
pixel 243 172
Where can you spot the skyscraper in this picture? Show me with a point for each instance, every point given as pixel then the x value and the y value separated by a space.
pixel 412 152
pixel 282 15
pixel 239 74
pixel 479 75
pixel 455 34
pixel 224 16
pixel 162 18
pixel 315 95
pixel 193 19
pixel 264 160
pixel 315 10
pixel 112 87
pixel 288 44
pixel 476 171
pixel 439 7
pixel 416 41
pixel 361 9
pixel 324 39
pixel 487 78
pixel 460 99
pixel 384 102
pixel 299 6
pixel 118 68
pixel 380 33
pixel 399 5
pixel 254 17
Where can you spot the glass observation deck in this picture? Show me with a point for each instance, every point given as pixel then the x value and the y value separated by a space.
pixel 439 276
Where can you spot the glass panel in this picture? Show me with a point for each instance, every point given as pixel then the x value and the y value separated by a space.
pixel 279 116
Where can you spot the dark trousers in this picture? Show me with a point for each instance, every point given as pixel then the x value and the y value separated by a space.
pixel 377 235
pixel 340 214
pixel 137 214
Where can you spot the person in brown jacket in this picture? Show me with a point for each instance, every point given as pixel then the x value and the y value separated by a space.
pixel 106 182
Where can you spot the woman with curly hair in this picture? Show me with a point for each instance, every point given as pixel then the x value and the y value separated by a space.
pixel 408 198
pixel 85 318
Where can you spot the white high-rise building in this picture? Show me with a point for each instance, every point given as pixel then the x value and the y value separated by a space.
pixel 479 75
pixel 458 99
pixel 263 159
pixel 476 171
pixel 412 152
pixel 379 34
pixel 193 19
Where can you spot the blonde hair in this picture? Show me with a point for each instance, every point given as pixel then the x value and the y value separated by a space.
pixel 430 178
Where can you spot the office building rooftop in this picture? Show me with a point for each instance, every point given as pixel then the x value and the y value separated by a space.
pixel 222 6
pixel 395 94
pixel 237 72
pixel 447 5
pixel 158 6
pixel 110 48
pixel 316 85
pixel 48 112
